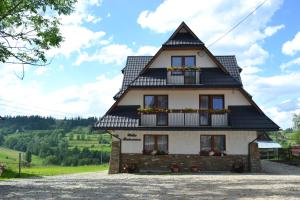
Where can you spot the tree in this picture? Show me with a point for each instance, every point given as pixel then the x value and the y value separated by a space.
pixel 28 157
pixel 28 28
pixel 1 139
pixel 296 120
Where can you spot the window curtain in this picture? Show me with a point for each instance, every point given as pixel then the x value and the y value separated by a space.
pixel 149 143
pixel 162 143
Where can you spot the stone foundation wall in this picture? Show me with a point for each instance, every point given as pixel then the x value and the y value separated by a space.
pixel 114 162
pixel 255 165
pixel 185 162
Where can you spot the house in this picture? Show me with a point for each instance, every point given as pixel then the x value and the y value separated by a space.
pixel 183 108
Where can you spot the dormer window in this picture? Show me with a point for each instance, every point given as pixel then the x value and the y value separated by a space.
pixel 182 61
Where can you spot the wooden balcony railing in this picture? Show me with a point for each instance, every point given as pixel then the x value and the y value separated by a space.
pixel 188 119
pixel 186 78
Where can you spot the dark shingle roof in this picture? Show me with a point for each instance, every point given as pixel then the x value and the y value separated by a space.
pixel 210 77
pixel 230 63
pixel 120 117
pixel 248 117
pixel 134 66
pixel 157 77
pixel 182 42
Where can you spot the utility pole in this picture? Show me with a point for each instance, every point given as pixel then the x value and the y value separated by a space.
pixel 101 157
pixel 20 164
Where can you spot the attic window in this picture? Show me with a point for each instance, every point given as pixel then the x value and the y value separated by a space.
pixel 182 61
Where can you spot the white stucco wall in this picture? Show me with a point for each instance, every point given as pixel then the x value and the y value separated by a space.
pixel 188 142
pixel 183 98
pixel 164 59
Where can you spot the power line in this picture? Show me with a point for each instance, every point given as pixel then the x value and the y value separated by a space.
pixel 235 26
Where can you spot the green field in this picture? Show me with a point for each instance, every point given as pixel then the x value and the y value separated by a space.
pixel 10 159
pixel 90 141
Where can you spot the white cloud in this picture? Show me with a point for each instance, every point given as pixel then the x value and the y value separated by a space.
pixel 147 50
pixel 74 40
pixel 114 54
pixel 272 93
pixel 271 30
pixel 77 37
pixel 289 64
pixel 250 70
pixel 255 55
pixel 41 70
pixel 28 97
pixel 293 46
pixel 213 18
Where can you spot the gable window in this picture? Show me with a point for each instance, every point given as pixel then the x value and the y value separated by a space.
pixel 158 101
pixel 182 61
pixel 157 144
pixel 209 102
pixel 212 143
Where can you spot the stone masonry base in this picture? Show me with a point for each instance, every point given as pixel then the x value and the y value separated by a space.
pixel 185 162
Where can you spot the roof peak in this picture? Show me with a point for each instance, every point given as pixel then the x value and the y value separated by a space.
pixel 183 35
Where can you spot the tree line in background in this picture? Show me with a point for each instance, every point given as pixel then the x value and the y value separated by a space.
pixel 49 138
pixel 290 136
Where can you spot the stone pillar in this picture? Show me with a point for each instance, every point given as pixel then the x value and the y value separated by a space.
pixel 114 162
pixel 255 165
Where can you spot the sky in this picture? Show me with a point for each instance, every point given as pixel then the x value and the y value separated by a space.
pixel 85 72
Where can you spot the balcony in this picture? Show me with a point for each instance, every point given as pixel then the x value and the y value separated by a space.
pixel 187 119
pixel 183 77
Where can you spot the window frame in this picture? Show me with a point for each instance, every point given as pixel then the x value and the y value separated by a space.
pixel 155 143
pixel 182 64
pixel 156 106
pixel 210 105
pixel 212 148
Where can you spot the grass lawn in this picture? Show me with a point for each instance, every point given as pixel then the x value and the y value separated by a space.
pixel 51 171
pixel 10 159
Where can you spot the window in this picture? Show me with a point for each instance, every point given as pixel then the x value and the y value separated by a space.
pixel 209 102
pixel 155 143
pixel 158 101
pixel 182 61
pixel 217 102
pixel 215 143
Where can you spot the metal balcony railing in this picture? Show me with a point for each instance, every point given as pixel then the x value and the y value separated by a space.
pixel 183 78
pixel 181 119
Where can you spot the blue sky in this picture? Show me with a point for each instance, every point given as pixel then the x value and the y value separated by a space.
pixel 85 71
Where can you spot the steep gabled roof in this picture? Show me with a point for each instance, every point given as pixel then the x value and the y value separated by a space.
pixel 134 65
pixel 183 35
pixel 184 38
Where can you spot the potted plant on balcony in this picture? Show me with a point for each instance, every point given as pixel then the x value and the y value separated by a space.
pixel 174 168
pixel 194 168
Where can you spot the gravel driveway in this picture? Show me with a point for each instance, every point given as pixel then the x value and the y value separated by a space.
pixel 129 186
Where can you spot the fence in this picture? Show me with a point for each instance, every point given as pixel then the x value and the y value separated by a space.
pixel 18 167
pixel 288 155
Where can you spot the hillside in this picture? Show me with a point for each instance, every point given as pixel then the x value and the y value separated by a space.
pixel 68 142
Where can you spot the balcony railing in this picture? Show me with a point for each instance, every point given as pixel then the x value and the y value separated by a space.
pixel 183 77
pixel 194 119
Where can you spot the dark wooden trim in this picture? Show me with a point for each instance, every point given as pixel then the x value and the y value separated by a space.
pixel 213 141
pixel 155 141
